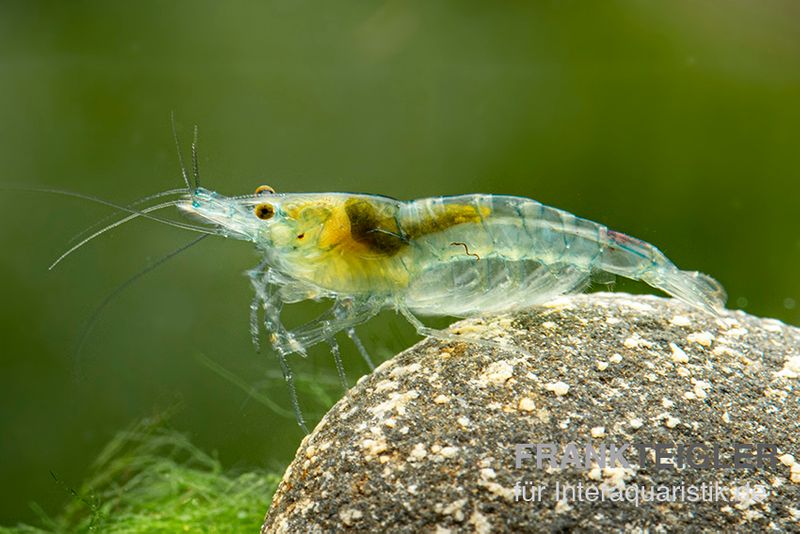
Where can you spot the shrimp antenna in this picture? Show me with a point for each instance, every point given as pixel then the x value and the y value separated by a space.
pixel 92 320
pixel 106 229
pixel 180 155
pixel 133 204
pixel 195 163
pixel 119 207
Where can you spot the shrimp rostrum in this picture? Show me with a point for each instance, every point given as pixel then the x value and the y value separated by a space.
pixel 455 256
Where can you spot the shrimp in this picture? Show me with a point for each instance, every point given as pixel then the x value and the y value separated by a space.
pixel 457 256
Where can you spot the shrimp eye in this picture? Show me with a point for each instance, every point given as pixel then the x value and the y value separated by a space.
pixel 264 211
pixel 262 189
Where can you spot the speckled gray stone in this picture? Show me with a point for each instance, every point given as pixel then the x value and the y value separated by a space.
pixel 426 442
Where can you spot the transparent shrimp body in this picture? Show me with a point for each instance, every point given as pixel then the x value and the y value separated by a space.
pixel 455 256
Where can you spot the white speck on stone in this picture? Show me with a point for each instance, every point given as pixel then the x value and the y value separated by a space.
pixel 595 474
pixel 701 338
pixel 672 422
pixel 385 385
pixel 543 415
pixel 560 303
pixel 613 320
pixel 417 453
pixel 735 332
pixel 504 322
pixel 598 431
pixel 487 473
pixel 791 368
pixel 456 509
pixel 723 350
pixel 633 341
pixel 683 371
pixel 680 320
pixel 786 459
pixel 601 365
pixel 498 373
pixel 636 423
pixel 374 447
pixel 442 399
pixel 405 370
pixel 559 388
pixel 526 404
pixel 689 395
pixel 745 499
pixel 726 418
pixel 615 477
pixel 396 402
pixel 349 413
pixel 469 328
pixel 637 305
pixel 449 452
pixel 700 388
pixel 497 489
pixel 350 515
pixel 678 355
pixel 615 358
pixel 486 461
pixel 773 325
pixel 463 421
pixel 480 523
pixel 666 403
pixel 562 507
pixel 550 325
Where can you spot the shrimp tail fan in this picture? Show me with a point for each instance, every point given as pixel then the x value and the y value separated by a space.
pixel 695 288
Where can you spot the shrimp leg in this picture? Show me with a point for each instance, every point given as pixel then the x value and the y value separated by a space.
pixel 345 314
pixel 337 357
pixel 351 332
pixel 258 278
pixel 269 298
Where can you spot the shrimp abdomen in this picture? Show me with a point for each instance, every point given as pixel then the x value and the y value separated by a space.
pixel 512 231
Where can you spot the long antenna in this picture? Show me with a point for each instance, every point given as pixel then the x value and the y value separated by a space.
pixel 180 155
pixel 92 320
pixel 195 163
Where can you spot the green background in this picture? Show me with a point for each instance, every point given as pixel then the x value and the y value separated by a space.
pixel 676 122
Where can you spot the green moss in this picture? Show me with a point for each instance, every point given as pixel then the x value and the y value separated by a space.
pixel 151 479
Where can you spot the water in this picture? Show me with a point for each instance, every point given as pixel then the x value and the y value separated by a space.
pixel 676 124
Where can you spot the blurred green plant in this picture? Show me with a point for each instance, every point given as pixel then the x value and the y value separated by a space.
pixel 150 478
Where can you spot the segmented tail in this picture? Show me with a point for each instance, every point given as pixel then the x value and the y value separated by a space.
pixel 692 287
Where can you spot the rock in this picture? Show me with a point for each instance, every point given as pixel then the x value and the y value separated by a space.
pixel 426 443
